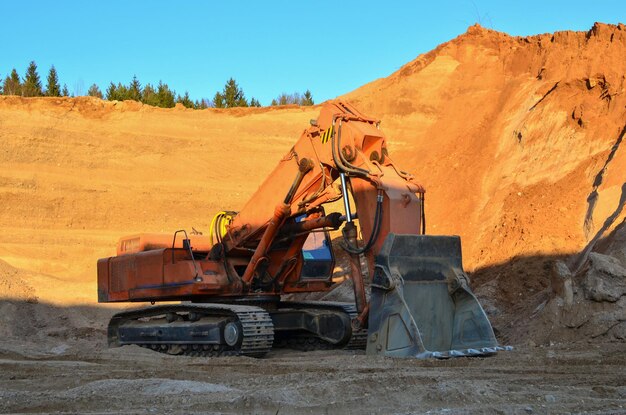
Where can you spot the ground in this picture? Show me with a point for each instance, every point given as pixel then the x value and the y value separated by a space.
pixel 584 378
pixel 55 360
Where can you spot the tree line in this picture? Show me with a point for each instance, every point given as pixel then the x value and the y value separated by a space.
pixel 160 95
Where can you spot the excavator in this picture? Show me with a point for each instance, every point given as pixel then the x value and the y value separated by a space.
pixel 226 293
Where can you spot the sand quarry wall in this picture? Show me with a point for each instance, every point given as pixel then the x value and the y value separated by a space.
pixel 518 141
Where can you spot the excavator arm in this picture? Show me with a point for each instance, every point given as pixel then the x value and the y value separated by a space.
pixel 342 143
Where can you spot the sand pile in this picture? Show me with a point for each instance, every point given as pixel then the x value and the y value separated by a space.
pixel 30 327
pixel 587 303
pixel 14 284
pixel 518 142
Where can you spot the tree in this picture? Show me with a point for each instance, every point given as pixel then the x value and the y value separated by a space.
pixel 94 91
pixel 149 96
pixel 218 101
pixel 185 100
pixel 231 96
pixel 134 89
pixel 254 102
pixel 32 83
pixel 165 96
pixel 53 89
pixel 65 91
pixel 202 104
pixel 122 92
pixel 111 92
pixel 117 92
pixel 79 88
pixel 295 98
pixel 307 98
pixel 12 84
pixel 283 99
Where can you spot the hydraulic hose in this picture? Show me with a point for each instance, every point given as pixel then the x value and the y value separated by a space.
pixel 218 227
pixel 350 166
pixel 339 160
pixel 378 216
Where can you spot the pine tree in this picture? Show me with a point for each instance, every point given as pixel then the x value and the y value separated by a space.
pixel 65 92
pixel 283 99
pixel 32 83
pixel 233 95
pixel 53 89
pixel 111 92
pixel 254 102
pixel 307 98
pixel 117 92
pixel 149 96
pixel 185 100
pixel 242 102
pixel 201 104
pixel 218 101
pixel 12 84
pixel 295 98
pixel 134 89
pixel 165 96
pixel 274 103
pixel 94 91
pixel 122 92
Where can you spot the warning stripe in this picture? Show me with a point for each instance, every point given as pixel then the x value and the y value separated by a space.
pixel 326 135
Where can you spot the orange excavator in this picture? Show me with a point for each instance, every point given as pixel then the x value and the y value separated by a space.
pixel 230 286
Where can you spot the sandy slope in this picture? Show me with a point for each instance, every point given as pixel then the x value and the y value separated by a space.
pixel 508 135
pixel 76 174
pixel 518 142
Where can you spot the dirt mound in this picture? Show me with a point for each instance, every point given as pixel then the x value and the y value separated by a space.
pixel 76 174
pixel 587 304
pixel 518 141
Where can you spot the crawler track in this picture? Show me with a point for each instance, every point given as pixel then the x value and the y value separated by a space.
pixel 257 330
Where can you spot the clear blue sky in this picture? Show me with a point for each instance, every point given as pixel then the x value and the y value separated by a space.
pixel 269 47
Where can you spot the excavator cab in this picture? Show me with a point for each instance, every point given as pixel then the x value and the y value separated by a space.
pixel 421 305
pixel 318 259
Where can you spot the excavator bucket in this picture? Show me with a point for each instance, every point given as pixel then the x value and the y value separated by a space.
pixel 421 305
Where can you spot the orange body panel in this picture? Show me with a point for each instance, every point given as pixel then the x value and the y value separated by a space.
pixel 147 241
pixel 161 274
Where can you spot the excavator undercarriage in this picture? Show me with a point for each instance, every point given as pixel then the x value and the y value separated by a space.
pixel 231 285
pixel 213 329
